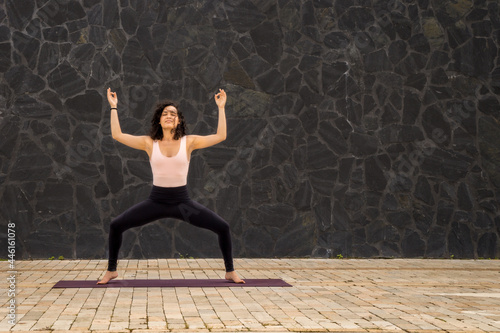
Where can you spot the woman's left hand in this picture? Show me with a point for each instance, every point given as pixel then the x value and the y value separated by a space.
pixel 220 98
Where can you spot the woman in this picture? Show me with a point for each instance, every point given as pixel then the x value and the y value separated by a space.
pixel 169 150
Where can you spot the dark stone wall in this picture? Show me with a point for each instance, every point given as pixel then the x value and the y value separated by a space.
pixel 364 128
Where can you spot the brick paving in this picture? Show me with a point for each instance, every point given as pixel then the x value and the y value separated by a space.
pixel 328 295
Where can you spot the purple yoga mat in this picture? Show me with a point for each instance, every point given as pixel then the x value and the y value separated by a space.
pixel 171 283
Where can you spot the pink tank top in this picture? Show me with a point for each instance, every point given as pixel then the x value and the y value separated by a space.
pixel 169 171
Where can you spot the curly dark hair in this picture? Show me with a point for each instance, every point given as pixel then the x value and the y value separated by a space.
pixel 156 132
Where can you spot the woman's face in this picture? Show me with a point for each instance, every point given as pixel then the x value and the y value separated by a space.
pixel 169 117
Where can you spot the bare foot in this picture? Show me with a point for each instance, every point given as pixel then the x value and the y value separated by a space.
pixel 232 276
pixel 108 276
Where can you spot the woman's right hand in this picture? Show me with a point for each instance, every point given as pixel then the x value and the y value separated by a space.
pixel 112 99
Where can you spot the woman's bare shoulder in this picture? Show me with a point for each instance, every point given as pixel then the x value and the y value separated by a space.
pixel 189 141
pixel 148 143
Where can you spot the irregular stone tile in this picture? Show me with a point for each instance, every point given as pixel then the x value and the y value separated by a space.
pixel 272 82
pixel 193 90
pixel 145 39
pixel 482 29
pixel 390 115
pixel 156 240
pixel 282 149
pixel 313 80
pixel 318 156
pixel 427 101
pixel 88 243
pixel 487 106
pixel 48 58
pixel 460 241
pixel 129 20
pixel 15 207
pixel 9 132
pixel 464 141
pixel 268 172
pixel 340 219
pixel 438 58
pixel 257 242
pixel 323 214
pixel 27 46
pixel 452 166
pixel 51 98
pixel 470 61
pixel 97 35
pixel 306 46
pixel 255 66
pixel 87 211
pixel 290 244
pixel 110 14
pixel 114 174
pixel 136 67
pixel 55 34
pixel 55 199
pixel 412 245
pixel 243 16
pixel 332 73
pixel 55 13
pixel 377 61
pixel 41 241
pixel 28 107
pixel 336 40
pixel 436 127
pixel 101 189
pixel 344 127
pixel 424 217
pixel 55 148
pixel 486 245
pixel 439 76
pixel 333 137
pixel 5 34
pixel 412 64
pixel 118 39
pixel 362 144
pixel 261 192
pixel 302 197
pixel 229 212
pixel 266 38
pixel 289 15
pixel 244 132
pixel 483 221
pixel 62 127
pixel 423 191
pixel 94 15
pixel 417 81
pixel 65 80
pixel 5 57
pixel 100 72
pixel 487 138
pixel 376 172
pixel 86 107
pixel 401 25
pixel 19 12
pixel 323 181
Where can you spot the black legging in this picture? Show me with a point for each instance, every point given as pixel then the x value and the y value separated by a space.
pixel 169 202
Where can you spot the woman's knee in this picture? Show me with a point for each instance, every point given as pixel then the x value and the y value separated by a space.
pixel 116 225
pixel 216 224
pixel 223 226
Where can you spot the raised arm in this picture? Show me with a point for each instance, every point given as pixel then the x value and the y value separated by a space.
pixel 200 141
pixel 133 141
